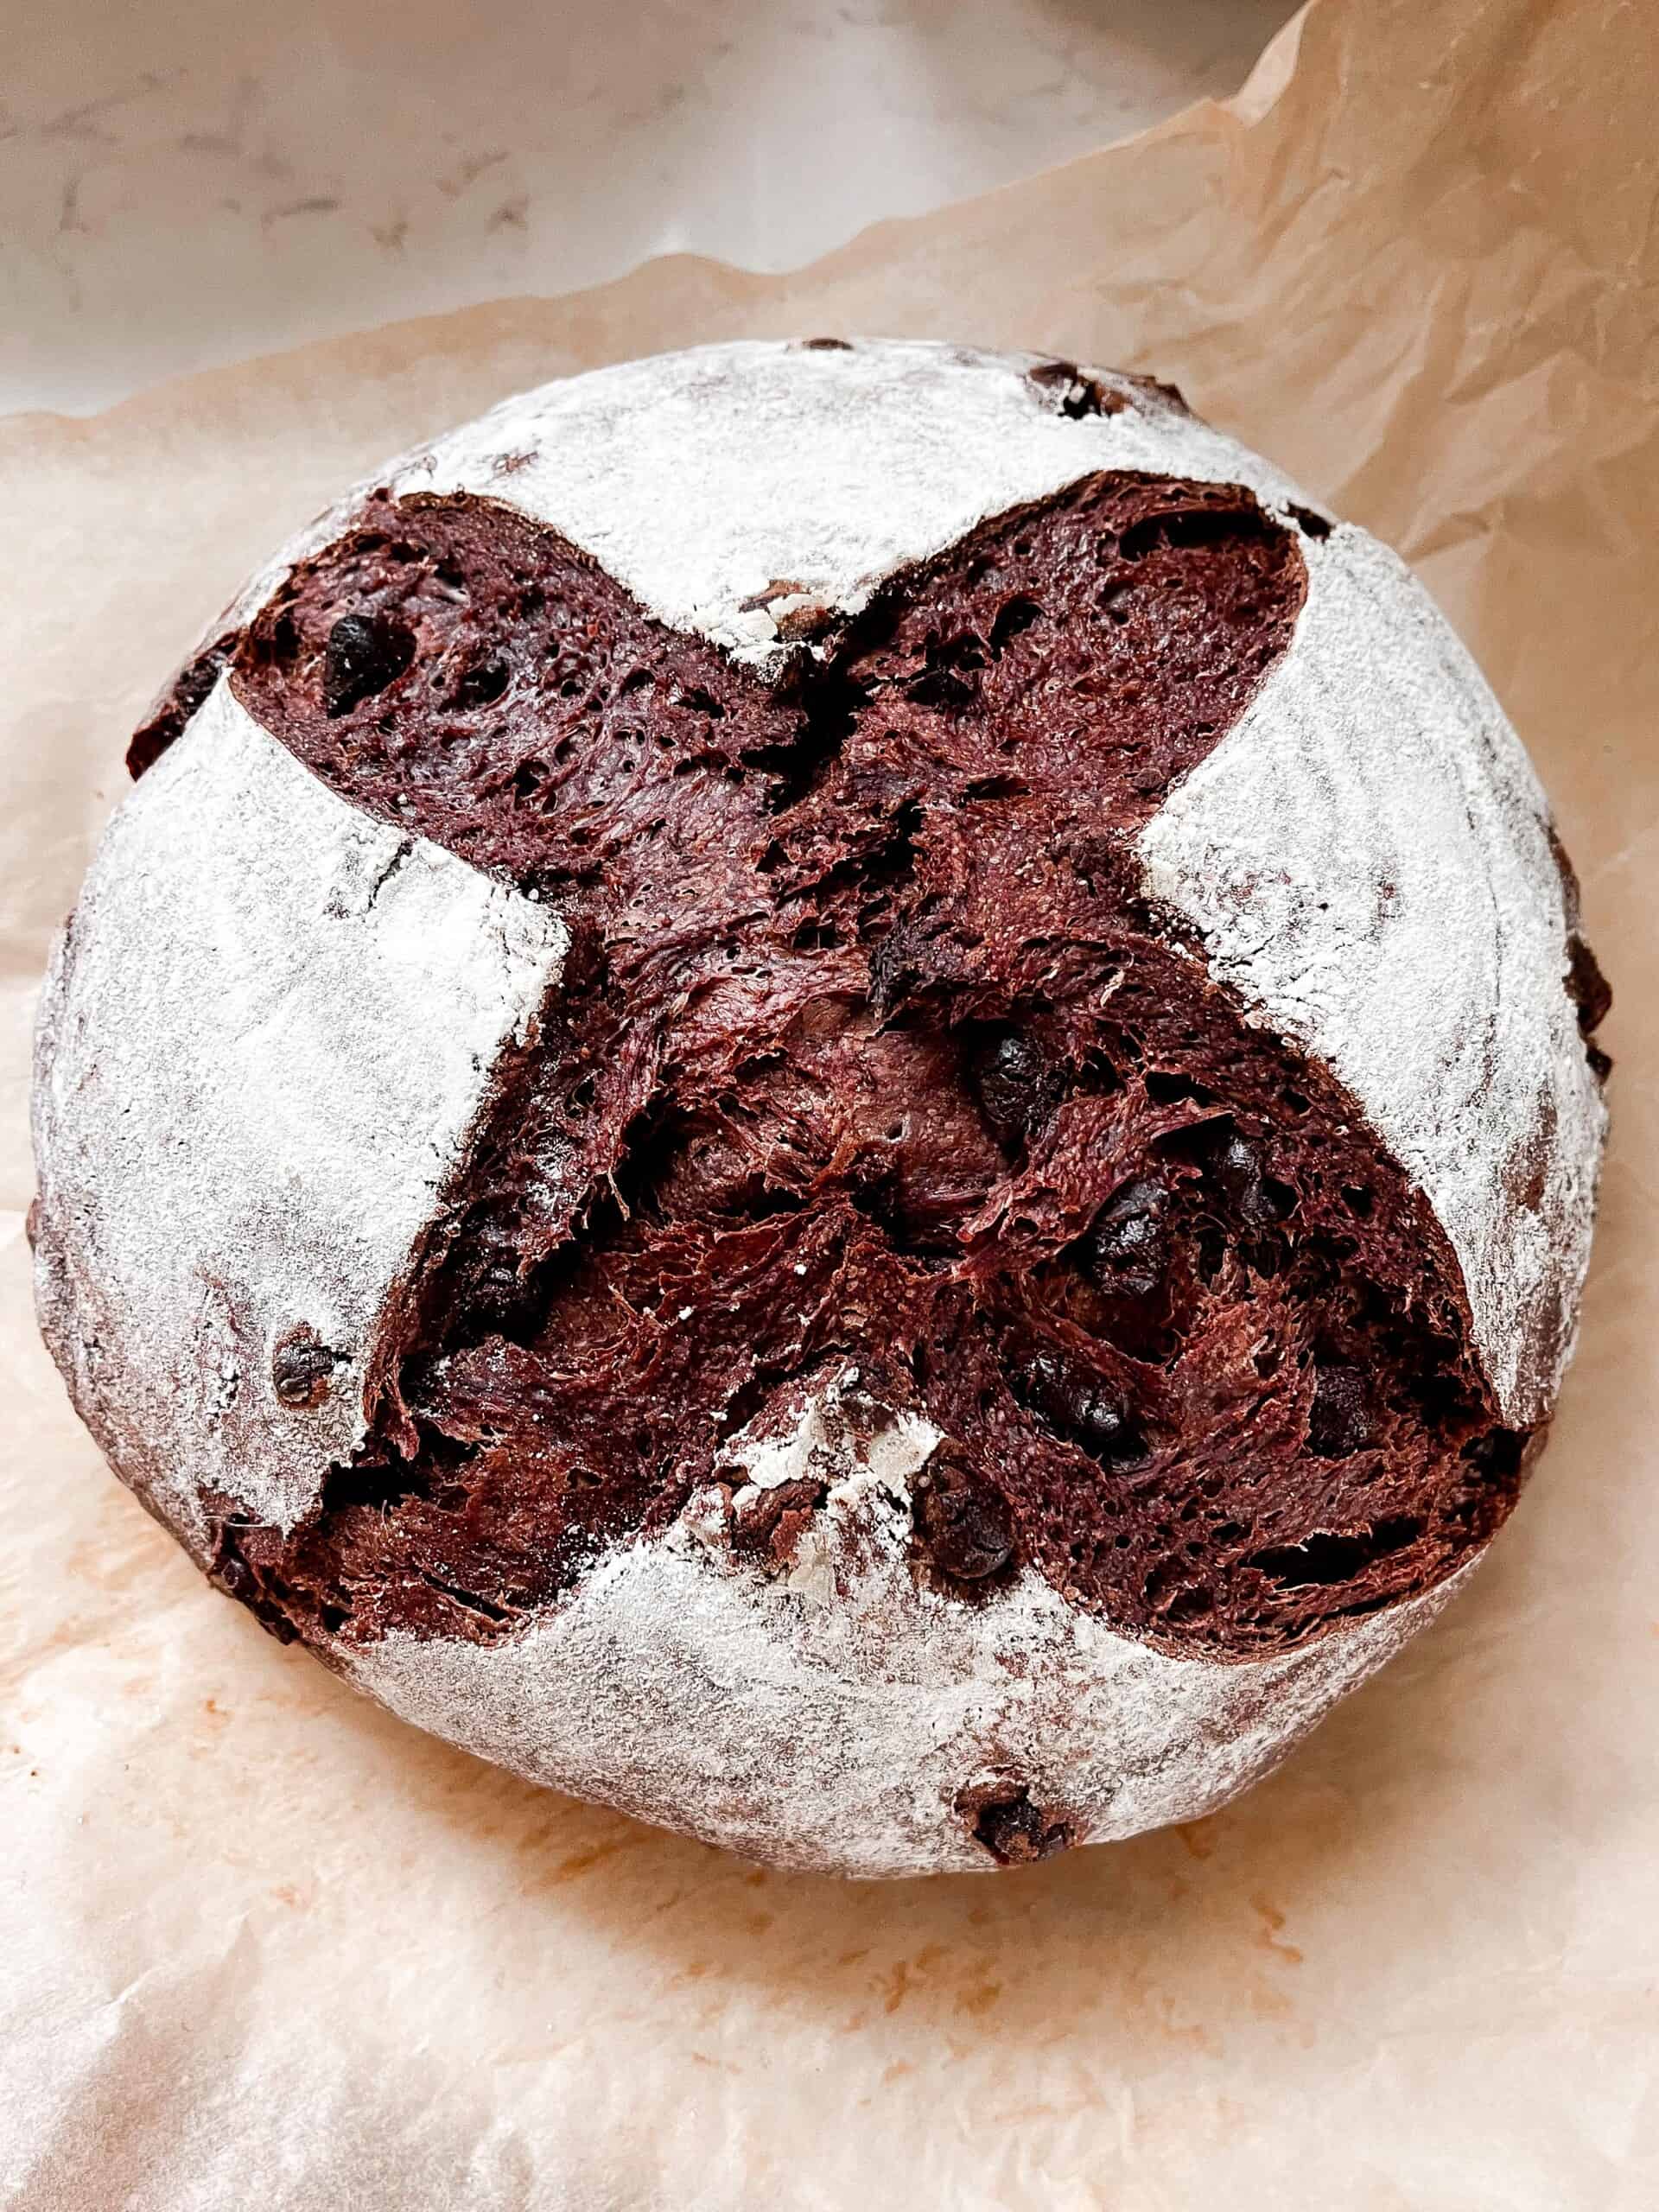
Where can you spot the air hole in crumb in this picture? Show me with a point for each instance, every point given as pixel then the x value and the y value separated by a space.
pixel 1325 1558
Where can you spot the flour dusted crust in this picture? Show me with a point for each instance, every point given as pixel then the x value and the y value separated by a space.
pixel 266 1035
pixel 1362 861
pixel 819 469
pixel 679 1677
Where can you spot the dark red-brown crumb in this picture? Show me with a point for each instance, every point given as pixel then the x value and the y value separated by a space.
pixel 870 1049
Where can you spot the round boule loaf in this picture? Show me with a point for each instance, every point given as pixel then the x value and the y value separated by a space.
pixel 844 1092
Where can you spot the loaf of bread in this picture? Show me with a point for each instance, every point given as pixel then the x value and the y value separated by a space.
pixel 841 1091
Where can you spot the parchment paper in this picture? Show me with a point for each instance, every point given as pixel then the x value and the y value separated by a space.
pixel 262 1946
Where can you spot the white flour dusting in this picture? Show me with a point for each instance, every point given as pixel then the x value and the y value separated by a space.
pixel 267 1034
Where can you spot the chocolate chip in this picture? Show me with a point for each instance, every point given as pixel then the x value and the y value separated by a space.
pixel 1274 1200
pixel 1240 1171
pixel 1237 1169
pixel 1015 1832
pixel 1311 524
pixel 1073 392
pixel 366 653
pixel 1018 1085
pixel 231 1573
pixel 1126 1250
pixel 962 1526
pixel 1082 1409
pixel 1499 1453
pixel 1587 986
pixel 1340 1423
pixel 300 1365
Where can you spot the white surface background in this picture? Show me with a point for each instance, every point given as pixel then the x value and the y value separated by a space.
pixel 185 182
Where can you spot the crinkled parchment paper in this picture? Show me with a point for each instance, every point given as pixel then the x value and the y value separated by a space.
pixel 262 1946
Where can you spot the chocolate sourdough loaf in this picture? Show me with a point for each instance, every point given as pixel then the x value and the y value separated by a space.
pixel 844 1092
